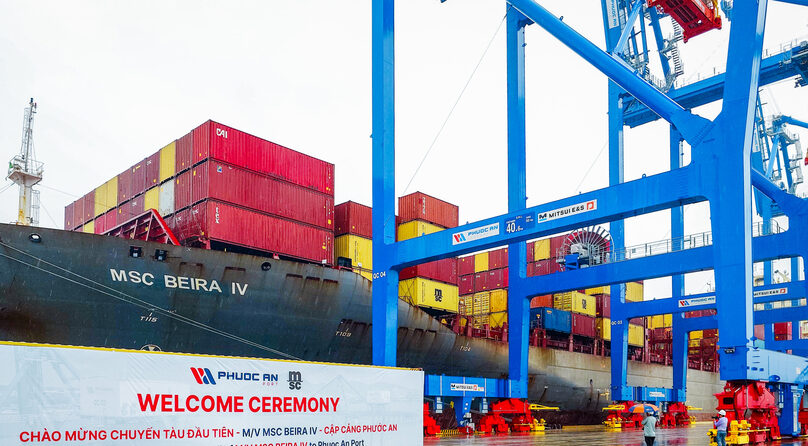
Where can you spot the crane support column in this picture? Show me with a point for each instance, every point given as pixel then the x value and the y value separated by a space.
pixel 730 140
pixel 679 336
pixel 385 281
pixel 518 304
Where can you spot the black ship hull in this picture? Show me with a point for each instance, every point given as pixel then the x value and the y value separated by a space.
pixel 81 289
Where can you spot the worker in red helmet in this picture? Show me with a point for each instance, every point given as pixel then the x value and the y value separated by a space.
pixel 720 423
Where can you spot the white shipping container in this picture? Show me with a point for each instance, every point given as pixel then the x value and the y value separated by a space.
pixel 166 199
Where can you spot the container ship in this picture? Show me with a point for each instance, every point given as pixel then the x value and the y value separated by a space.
pixel 228 244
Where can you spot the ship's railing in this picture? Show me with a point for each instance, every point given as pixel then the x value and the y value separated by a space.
pixel 667 246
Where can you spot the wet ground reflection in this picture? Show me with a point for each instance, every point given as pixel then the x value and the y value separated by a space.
pixel 595 435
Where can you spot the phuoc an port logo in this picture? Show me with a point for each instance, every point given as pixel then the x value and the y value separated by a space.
pixel 475 234
pixel 203 375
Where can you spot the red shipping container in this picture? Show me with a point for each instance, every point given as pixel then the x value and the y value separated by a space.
pixel 111 219
pixel 603 305
pixel 78 213
pixel 138 179
pixel 100 225
pixel 481 282
pixel 466 284
pixel 547 266
pixel 223 182
pixel 420 206
pixel 782 328
pixel 637 321
pixel 89 207
pixel 183 190
pixel 182 224
pixel 782 337
pixel 353 218
pixel 69 209
pixel 760 331
pixel 583 325
pixel 465 265
pixel 223 222
pixel 711 333
pixel 152 166
pixel 223 143
pixel 131 209
pixel 662 334
pixel 497 278
pixel 498 258
pixel 555 245
pixel 529 249
pixel 124 186
pixel 542 301
pixel 444 270
pixel 184 153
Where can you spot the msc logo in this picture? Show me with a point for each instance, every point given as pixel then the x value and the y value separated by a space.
pixel 438 295
pixel 459 238
pixel 222 133
pixel 295 380
pixel 203 375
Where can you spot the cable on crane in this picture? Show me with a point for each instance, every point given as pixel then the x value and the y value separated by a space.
pixel 460 96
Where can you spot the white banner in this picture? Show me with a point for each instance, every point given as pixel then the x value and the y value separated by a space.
pixel 66 395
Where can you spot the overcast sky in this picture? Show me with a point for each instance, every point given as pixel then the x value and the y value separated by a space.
pixel 115 81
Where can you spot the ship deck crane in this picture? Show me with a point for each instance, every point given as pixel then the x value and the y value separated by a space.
pixel 26 171
pixel 719 174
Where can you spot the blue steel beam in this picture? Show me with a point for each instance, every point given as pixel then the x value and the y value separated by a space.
pixel 772 69
pixel 641 196
pixel 691 126
pixel 628 28
pixel 518 305
pixel 385 285
pixel 660 42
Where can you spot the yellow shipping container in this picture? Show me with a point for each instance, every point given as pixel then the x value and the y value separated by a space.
pixel 575 302
pixel 481 302
pixel 151 199
pixel 694 343
pixel 633 292
pixel 497 319
pixel 416 228
pixel 481 262
pixel 89 228
pixel 698 334
pixel 541 249
pixel 604 327
pixel 168 155
pixel 106 197
pixel 499 300
pixel 358 249
pixel 660 321
pixel 100 199
pixel 636 335
pixel 597 290
pixel 429 293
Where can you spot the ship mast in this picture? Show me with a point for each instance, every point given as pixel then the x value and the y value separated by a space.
pixel 26 171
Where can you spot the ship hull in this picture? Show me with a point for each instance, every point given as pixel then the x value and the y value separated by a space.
pixel 82 289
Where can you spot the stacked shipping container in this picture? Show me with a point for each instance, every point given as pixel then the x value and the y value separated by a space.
pixel 220 185
pixel 432 285
pixel 353 244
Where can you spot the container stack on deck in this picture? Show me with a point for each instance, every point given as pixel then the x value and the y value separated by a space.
pixel 353 245
pixel 204 185
pixel 433 285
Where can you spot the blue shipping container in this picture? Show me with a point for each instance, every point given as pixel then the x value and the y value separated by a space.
pixel 551 319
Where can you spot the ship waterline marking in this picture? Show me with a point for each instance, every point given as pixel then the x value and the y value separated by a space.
pixel 177 282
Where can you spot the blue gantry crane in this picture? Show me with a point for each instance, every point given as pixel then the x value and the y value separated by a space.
pixel 721 173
